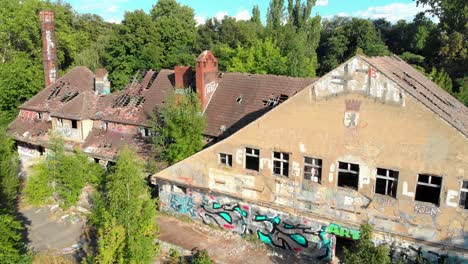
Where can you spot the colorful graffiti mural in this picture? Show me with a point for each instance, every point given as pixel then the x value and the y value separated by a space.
pixel 280 231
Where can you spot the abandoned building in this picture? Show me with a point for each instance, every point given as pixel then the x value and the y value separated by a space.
pixel 79 106
pixel 372 141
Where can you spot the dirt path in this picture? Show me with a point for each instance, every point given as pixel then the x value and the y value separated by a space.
pixel 222 246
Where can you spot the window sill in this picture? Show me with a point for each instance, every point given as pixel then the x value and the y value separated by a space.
pixel 383 196
pixel 347 189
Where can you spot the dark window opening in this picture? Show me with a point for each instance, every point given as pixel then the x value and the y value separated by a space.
pixel 225 159
pixel 96 160
pixel 252 159
pixel 428 189
pixel 386 182
pixel 74 124
pixel 464 195
pixel 281 163
pixel 348 175
pixel 39 116
pixel 41 150
pixel 313 169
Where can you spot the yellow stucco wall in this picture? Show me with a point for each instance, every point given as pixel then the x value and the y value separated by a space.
pixel 394 131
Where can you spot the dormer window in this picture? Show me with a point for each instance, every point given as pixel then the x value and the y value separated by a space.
pixel 145 132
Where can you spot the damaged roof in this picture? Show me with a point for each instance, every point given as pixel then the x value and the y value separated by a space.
pixel 71 96
pixel 423 89
pixel 241 98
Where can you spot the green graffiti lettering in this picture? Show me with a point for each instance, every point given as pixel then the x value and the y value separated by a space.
pixel 242 212
pixel 216 206
pixel 299 239
pixel 355 234
pixel 260 218
pixel 344 232
pixel 333 229
pixel 226 217
pixel 264 238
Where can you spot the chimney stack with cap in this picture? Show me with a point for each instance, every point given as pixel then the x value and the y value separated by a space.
pixel 206 77
pixel 49 47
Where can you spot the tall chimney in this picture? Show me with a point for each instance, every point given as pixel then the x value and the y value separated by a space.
pixel 206 77
pixel 49 47
pixel 182 76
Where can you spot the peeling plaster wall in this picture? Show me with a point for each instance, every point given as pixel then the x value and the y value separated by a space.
pixel 368 121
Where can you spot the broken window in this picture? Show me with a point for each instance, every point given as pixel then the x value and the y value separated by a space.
pixel 348 175
pixel 225 159
pixel 464 195
pixel 74 124
pixel 275 100
pixel 252 159
pixel 39 116
pixel 428 188
pixel 386 182
pixel 281 163
pixel 313 169
pixel 145 131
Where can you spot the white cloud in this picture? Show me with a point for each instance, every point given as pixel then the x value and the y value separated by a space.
pixel 321 3
pixel 113 9
pixel 242 15
pixel 392 12
pixel 200 20
pixel 221 14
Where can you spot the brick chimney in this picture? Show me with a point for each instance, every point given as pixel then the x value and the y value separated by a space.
pixel 206 77
pixel 183 76
pixel 101 82
pixel 49 46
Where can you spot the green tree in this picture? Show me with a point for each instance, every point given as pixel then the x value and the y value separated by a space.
pixel 275 15
pixel 126 224
pixel 11 246
pixel 263 57
pixel 134 45
pixel 175 25
pixel 9 182
pixel 201 257
pixel 256 18
pixel 61 175
pixel 442 79
pixel 179 127
pixel 365 252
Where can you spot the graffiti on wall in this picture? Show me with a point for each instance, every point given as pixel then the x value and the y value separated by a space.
pixel 425 209
pixel 343 231
pixel 280 231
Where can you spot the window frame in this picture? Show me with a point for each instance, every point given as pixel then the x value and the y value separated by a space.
pixel 348 170
pixel 463 190
pixel 284 171
pixel 318 166
pixel 228 159
pixel 430 184
pixel 252 155
pixel 387 178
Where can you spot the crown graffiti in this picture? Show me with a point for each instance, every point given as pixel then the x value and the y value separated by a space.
pixel 353 105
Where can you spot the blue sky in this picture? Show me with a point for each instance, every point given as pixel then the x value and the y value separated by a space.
pixel 392 10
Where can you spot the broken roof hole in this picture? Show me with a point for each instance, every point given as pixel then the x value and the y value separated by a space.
pixel 128 100
pixel 69 96
pixel 150 83
pixel 239 99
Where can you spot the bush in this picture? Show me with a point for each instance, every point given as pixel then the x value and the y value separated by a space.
pixel 38 189
pixel 201 257
pixel 365 251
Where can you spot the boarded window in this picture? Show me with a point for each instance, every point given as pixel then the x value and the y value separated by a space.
pixel 386 182
pixel 225 159
pixel 464 195
pixel 428 188
pixel 281 163
pixel 348 175
pixel 74 124
pixel 252 159
pixel 313 169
